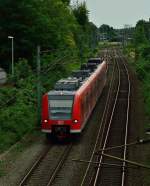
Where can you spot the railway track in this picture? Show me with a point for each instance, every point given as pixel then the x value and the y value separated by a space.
pixel 45 168
pixel 113 131
pixel 116 135
pixel 90 170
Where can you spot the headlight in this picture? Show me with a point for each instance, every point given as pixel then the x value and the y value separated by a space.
pixel 45 121
pixel 75 121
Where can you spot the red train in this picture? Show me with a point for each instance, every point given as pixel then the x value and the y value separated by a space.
pixel 67 108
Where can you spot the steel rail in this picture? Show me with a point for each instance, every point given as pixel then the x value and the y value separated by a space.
pixel 99 132
pixel 127 123
pixel 33 167
pixel 108 129
pixel 60 164
pixel 103 131
pixel 126 134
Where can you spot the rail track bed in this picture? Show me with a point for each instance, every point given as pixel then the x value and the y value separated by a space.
pixel 44 170
pixel 112 171
pixel 103 167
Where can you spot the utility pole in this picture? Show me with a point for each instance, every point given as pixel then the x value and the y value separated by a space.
pixel 80 50
pixel 38 87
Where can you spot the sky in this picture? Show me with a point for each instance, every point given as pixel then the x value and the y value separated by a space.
pixel 117 13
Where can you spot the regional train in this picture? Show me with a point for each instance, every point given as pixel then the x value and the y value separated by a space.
pixel 66 109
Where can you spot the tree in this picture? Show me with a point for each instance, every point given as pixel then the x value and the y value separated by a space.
pixel 93 35
pixel 48 23
pixel 66 1
pixel 108 30
pixel 140 33
pixel 81 14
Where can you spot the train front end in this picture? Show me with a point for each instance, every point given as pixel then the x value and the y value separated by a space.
pixel 57 114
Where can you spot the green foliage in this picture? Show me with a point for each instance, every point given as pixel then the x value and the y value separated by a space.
pixel 107 30
pixel 48 23
pixel 146 92
pixel 143 71
pixel 145 52
pixel 66 1
pixel 140 35
pixel 66 38
pixel 81 14
pixel 141 48
pixel 142 68
pixel 16 120
pixel 2 165
pixel 18 116
pixel 142 31
pixel 6 93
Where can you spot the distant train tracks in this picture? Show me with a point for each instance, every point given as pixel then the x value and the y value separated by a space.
pixel 46 167
pixel 103 168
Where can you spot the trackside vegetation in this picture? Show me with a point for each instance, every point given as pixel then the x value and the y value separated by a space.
pixel 139 52
pixel 67 39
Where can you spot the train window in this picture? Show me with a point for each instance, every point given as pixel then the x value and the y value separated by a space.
pixel 60 107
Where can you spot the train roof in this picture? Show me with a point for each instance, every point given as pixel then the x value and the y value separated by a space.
pixel 95 59
pixel 70 85
pixel 91 78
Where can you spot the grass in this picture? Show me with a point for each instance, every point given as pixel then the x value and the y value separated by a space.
pixel 141 67
pixel 2 171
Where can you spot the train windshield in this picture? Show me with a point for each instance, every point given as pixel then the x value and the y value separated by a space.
pixel 60 107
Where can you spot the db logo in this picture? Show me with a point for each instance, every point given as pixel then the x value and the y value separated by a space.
pixel 60 122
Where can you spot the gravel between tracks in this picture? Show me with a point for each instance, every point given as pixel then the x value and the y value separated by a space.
pixel 18 160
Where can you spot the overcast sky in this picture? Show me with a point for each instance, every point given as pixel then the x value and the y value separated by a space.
pixel 117 13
